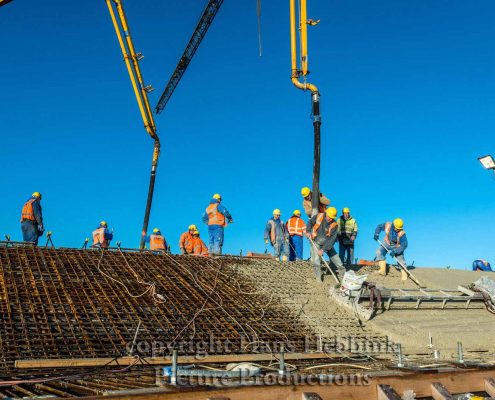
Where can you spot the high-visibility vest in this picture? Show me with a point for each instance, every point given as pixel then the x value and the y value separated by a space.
pixel 388 229
pixel 157 242
pixel 319 221
pixel 99 238
pixel 273 235
pixel 215 217
pixel 296 226
pixel 199 247
pixel 27 213
pixel 186 242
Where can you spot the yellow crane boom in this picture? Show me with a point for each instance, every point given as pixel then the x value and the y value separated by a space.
pixel 131 59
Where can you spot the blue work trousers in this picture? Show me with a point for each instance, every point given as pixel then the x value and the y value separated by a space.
pixel 281 248
pixel 29 231
pixel 381 253
pixel 346 252
pixel 295 248
pixel 216 239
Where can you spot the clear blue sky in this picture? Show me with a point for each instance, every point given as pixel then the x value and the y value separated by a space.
pixel 408 104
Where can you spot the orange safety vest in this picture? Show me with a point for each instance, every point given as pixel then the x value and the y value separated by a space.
pixel 214 216
pixel 199 247
pixel 319 220
pixel 99 238
pixel 186 242
pixel 157 242
pixel 388 228
pixel 296 226
pixel 27 213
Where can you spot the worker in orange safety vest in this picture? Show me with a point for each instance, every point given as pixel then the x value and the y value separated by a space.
pixel 199 247
pixel 186 240
pixel 102 236
pixel 296 228
pixel 32 219
pixel 156 240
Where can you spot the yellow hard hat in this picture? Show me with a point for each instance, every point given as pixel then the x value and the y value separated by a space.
pixel 196 232
pixel 276 212
pixel 103 223
pixel 305 191
pixel 331 212
pixel 398 223
pixel 192 227
pixel 217 196
pixel 156 230
pixel 37 194
pixel 346 210
pixel 297 212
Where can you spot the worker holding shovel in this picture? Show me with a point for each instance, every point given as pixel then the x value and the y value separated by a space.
pixel 395 243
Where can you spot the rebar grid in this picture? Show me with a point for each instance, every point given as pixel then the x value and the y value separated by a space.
pixel 68 303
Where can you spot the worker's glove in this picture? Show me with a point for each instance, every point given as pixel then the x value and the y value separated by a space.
pixel 392 253
pixel 376 236
pixel 266 241
pixel 353 238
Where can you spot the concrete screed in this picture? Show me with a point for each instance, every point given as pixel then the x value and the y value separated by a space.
pixel 294 285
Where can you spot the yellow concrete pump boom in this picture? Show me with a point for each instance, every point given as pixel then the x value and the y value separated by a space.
pixel 131 59
pixel 302 71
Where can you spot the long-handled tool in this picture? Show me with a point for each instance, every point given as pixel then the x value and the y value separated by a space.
pixel 321 257
pixel 404 268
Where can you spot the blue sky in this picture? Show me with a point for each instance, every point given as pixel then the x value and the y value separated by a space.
pixel 408 96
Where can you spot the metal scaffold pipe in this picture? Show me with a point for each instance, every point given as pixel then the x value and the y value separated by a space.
pixel 131 59
pixel 315 96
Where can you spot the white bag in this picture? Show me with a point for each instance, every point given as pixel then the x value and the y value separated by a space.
pixel 352 281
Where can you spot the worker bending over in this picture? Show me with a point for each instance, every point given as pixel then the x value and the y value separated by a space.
pixel 307 195
pixel 32 219
pixel 276 234
pixel 186 240
pixel 296 229
pixel 322 230
pixel 217 217
pixel 395 241
pixel 348 231
pixel 102 236
pixel 199 247
pixel 156 240
pixel 482 265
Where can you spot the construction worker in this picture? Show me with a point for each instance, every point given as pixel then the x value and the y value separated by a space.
pixel 217 217
pixel 296 229
pixel 395 241
pixel 186 240
pixel 322 230
pixel 102 236
pixel 348 231
pixel 199 247
pixel 276 234
pixel 32 219
pixel 482 265
pixel 157 241
pixel 307 199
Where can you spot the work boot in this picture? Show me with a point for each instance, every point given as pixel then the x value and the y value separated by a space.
pixel 403 274
pixel 383 267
